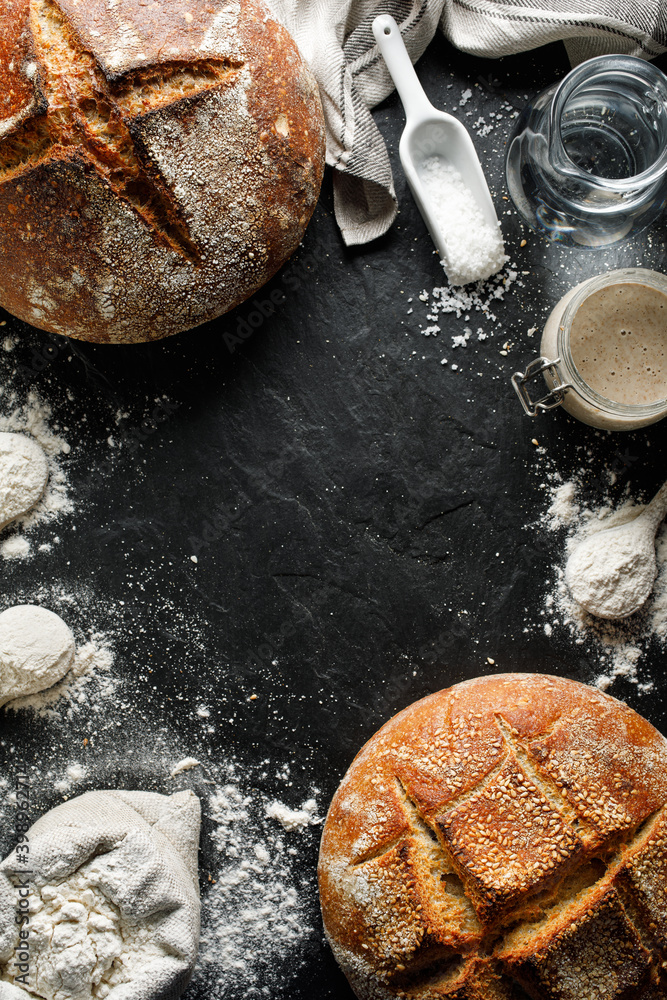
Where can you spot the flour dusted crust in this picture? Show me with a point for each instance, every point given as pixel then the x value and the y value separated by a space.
pixel 501 840
pixel 159 161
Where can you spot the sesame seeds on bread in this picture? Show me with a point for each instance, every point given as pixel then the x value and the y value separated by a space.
pixel 503 839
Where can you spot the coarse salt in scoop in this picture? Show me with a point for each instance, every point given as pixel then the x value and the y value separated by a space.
pixel 444 172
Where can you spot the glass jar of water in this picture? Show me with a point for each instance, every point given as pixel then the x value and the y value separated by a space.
pixel 587 159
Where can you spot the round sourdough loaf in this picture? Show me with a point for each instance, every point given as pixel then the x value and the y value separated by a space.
pixel 159 161
pixel 501 840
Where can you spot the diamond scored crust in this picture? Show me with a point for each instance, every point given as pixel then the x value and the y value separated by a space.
pixel 504 839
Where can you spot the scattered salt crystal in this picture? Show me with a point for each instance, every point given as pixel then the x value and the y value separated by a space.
pixel 461 340
pixel 482 128
pixel 475 249
pixel 465 97
pixel 479 298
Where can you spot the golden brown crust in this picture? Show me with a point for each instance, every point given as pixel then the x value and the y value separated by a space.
pixel 503 839
pixel 595 951
pixel 173 173
pixel 19 94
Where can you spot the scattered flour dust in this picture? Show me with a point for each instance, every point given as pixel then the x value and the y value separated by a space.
pixel 35 420
pixel 7 805
pixel 74 774
pixel 294 819
pixel 619 644
pixel 258 915
pixel 186 764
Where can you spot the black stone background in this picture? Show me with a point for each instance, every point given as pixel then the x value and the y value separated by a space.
pixel 364 517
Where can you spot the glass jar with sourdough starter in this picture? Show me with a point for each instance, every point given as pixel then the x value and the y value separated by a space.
pixel 604 353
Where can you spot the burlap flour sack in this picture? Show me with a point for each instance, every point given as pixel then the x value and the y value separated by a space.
pixel 113 900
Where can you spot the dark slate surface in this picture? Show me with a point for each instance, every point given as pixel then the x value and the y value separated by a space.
pixel 361 514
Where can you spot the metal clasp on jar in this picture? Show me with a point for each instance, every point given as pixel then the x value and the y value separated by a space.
pixel 546 368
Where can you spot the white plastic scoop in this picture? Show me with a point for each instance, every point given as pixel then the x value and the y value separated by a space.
pixel 612 573
pixel 430 134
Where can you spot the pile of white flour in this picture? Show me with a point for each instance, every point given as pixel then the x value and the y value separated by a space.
pixel 619 644
pixel 89 685
pixel 37 649
pixel 24 474
pixel 35 419
pixel 79 936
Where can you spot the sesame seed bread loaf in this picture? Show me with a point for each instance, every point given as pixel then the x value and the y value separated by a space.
pixel 159 161
pixel 503 839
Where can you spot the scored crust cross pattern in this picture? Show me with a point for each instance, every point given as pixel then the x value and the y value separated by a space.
pixel 97 118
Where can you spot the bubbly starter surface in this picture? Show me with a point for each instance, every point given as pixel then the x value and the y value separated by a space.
pixel 618 341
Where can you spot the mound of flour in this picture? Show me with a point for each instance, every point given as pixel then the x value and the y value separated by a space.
pixel 24 473
pixel 619 645
pixel 37 649
pixel 34 422
pixel 612 574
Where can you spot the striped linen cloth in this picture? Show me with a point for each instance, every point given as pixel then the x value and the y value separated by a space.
pixel 336 39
